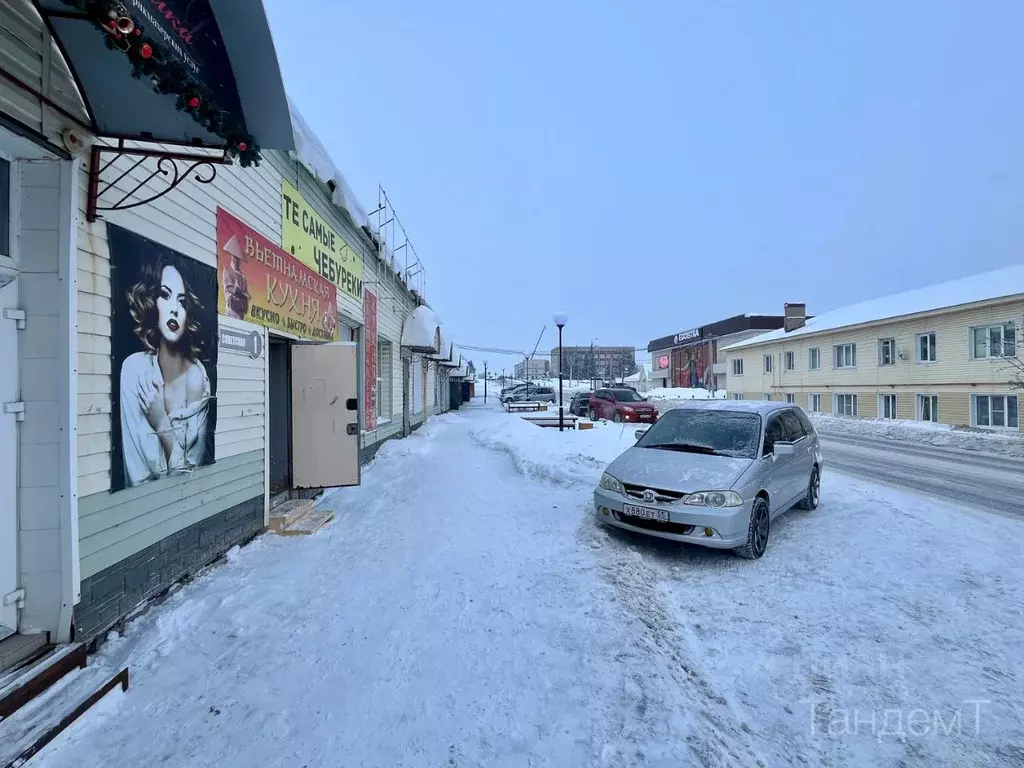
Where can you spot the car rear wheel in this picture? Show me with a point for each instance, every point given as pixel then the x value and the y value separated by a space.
pixel 813 497
pixel 757 531
pixel 593 415
pixel 617 418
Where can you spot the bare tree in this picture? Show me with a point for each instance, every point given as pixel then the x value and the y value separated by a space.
pixel 1016 367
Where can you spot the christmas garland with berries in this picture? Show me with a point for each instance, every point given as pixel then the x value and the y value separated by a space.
pixel 169 76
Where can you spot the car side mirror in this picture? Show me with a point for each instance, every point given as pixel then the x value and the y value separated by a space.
pixel 784 449
pixel 639 433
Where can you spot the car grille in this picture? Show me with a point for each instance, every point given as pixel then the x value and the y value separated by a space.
pixel 637 492
pixel 655 525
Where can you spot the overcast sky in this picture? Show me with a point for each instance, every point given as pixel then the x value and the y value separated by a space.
pixel 653 166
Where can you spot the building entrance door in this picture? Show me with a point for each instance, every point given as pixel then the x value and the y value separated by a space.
pixel 280 415
pixel 325 415
pixel 8 455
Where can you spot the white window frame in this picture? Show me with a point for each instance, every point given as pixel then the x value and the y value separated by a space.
pixel 737 366
pixel 889 342
pixel 737 395
pixel 385 383
pixel 789 361
pixel 766 396
pixel 1006 411
pixel 790 397
pixel 812 353
pixel 855 410
pixel 853 356
pixel 767 364
pixel 811 402
pixel 882 397
pixel 933 400
pixel 988 346
pixel 11 258
pixel 932 347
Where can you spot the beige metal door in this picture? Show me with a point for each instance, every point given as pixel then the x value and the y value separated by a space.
pixel 8 455
pixel 325 415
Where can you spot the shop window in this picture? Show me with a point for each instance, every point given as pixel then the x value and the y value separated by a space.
pixel 385 380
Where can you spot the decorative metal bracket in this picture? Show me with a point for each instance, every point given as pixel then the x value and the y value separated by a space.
pixel 165 174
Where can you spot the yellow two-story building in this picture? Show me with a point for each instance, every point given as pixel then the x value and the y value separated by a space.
pixel 945 353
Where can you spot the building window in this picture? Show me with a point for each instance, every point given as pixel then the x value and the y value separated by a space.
pixel 845 405
pixel 928 407
pixel 814 359
pixel 845 356
pixel 384 380
pixel 887 406
pixel 737 367
pixel 996 411
pixel 814 403
pixel 766 395
pixel 790 398
pixel 926 347
pixel 994 341
pixel 790 361
pixel 887 351
pixel 5 208
pixel 737 395
pixel 767 363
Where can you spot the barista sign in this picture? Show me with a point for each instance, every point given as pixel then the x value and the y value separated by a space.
pixel 311 240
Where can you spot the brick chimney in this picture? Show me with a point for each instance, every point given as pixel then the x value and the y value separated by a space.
pixel 794 316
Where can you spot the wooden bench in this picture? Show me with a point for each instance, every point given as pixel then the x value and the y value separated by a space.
pixel 569 421
pixel 526 407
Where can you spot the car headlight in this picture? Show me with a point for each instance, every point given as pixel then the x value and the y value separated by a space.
pixel 713 499
pixel 628 408
pixel 609 483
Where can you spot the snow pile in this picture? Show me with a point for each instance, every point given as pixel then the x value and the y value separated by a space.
pixel 943 435
pixel 685 393
pixel 569 457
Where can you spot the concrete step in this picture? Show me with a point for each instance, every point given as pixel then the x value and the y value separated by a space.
pixel 308 524
pixel 286 513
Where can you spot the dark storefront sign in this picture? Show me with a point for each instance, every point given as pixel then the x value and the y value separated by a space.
pixel 194 72
pixel 675 340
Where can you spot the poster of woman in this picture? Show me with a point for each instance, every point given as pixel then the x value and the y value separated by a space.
pixel 163 344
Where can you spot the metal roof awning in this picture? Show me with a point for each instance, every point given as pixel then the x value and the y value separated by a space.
pixel 454 359
pixel 200 73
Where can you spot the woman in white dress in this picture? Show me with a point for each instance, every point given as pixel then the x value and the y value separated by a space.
pixel 165 391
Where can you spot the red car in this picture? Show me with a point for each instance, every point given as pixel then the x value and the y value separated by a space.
pixel 621 405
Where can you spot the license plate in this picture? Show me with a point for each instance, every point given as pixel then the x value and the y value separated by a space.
pixel 631 510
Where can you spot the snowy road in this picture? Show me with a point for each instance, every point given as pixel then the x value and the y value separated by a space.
pixel 989 481
pixel 466 610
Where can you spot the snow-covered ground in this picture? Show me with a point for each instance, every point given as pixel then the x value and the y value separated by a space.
pixel 684 393
pixel 465 609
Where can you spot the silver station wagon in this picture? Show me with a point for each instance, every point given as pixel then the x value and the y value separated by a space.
pixel 714 473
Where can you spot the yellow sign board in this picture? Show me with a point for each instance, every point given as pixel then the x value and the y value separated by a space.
pixel 310 239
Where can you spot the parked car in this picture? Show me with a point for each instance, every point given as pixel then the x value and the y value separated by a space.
pixel 535 395
pixel 714 473
pixel 580 404
pixel 621 405
pixel 621 385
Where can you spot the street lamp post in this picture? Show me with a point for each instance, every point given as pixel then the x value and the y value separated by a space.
pixel 560 320
pixel 485 382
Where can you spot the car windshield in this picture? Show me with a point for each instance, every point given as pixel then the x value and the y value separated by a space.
pixel 627 396
pixel 727 433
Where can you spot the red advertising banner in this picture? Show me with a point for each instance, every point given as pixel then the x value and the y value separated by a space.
pixel 370 358
pixel 262 283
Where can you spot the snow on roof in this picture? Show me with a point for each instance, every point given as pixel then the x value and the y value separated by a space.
pixel 314 155
pixel 967 290
pixel 421 331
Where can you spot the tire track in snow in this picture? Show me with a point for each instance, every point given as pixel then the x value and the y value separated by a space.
pixel 715 736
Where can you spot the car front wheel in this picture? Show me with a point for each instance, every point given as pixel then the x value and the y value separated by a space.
pixel 757 531
pixel 813 497
pixel 593 415
pixel 617 418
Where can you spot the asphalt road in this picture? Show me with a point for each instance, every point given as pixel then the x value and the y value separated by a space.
pixel 986 481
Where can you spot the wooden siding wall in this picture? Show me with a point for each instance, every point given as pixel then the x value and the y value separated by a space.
pixel 953 376
pixel 28 53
